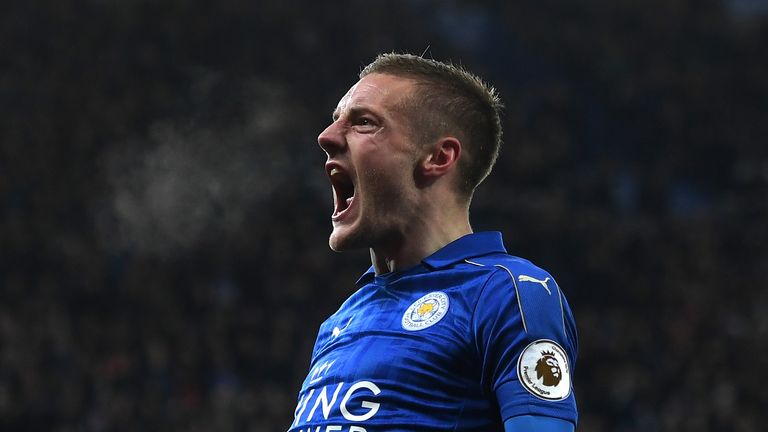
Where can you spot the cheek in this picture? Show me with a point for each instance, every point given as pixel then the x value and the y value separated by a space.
pixel 388 170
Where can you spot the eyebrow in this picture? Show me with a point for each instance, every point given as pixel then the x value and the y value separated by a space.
pixel 354 111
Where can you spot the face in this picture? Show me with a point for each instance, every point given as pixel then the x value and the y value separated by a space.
pixel 371 164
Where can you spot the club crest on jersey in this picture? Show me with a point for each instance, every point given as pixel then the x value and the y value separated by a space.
pixel 543 370
pixel 426 311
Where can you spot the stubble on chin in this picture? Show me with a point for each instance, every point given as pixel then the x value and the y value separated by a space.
pixel 362 235
pixel 340 241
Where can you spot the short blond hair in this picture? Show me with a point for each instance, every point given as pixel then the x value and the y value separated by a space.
pixel 449 100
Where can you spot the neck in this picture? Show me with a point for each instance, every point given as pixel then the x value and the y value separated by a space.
pixel 426 233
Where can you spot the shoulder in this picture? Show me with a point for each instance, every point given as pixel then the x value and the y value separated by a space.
pixel 514 273
pixel 520 284
pixel 511 264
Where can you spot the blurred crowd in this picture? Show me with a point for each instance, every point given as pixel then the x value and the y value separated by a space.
pixel 164 212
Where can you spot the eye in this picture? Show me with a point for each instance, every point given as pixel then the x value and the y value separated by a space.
pixel 364 123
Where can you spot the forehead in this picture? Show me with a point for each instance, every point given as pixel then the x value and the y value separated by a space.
pixel 375 91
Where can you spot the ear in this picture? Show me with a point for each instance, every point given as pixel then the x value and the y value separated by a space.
pixel 442 158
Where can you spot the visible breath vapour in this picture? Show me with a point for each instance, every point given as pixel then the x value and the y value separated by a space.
pixel 180 184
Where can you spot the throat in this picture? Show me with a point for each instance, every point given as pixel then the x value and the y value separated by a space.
pixel 405 250
pixel 394 255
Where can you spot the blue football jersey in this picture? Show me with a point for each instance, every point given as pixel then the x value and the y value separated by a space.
pixel 463 341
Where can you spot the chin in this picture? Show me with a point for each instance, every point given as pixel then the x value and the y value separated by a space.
pixel 342 240
pixel 351 236
pixel 335 245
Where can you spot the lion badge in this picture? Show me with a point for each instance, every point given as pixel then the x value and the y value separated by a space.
pixel 543 370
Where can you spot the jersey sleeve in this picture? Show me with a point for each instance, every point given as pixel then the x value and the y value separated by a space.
pixel 526 342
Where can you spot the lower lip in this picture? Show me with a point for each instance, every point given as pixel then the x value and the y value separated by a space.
pixel 338 217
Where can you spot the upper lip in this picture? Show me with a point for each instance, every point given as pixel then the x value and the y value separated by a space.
pixel 330 165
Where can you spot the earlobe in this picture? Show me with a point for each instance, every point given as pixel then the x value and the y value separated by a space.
pixel 443 157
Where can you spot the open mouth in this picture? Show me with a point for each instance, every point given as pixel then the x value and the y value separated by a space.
pixel 343 191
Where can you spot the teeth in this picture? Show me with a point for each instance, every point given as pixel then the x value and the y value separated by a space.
pixel 335 171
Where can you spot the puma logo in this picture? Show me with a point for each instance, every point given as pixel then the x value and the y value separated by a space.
pixel 337 331
pixel 526 278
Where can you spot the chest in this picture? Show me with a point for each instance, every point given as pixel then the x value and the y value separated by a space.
pixel 389 355
pixel 394 336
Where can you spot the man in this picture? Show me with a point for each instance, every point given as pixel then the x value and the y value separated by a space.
pixel 446 332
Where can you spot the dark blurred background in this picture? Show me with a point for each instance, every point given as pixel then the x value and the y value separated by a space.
pixel 164 212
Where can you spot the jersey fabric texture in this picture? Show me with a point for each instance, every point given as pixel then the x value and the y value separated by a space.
pixel 448 345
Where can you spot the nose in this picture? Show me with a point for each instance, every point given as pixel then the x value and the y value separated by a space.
pixel 332 140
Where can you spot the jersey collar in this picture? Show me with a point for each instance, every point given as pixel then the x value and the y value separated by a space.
pixel 468 246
